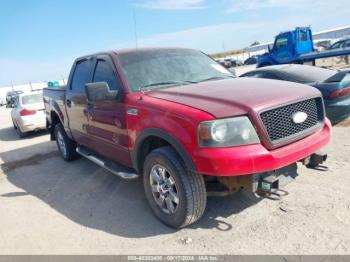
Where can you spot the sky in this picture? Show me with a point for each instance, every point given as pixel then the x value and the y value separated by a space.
pixel 39 39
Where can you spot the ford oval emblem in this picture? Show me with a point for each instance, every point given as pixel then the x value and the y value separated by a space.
pixel 299 117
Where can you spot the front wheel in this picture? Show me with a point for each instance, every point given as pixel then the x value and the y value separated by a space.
pixel 20 133
pixel 66 146
pixel 176 196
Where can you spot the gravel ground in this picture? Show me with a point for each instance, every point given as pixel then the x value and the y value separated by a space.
pixel 48 206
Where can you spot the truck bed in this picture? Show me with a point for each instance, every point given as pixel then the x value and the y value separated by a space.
pixel 54 98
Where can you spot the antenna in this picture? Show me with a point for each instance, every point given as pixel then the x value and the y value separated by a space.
pixel 135 27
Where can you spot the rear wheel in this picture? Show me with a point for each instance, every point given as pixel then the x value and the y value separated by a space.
pixel 66 146
pixel 176 196
pixel 14 125
pixel 20 133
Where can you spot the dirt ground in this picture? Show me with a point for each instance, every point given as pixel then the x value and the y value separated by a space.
pixel 48 206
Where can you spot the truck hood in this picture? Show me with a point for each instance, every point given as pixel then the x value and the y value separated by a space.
pixel 239 96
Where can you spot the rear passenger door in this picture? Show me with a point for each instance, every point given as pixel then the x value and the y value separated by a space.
pixel 107 119
pixel 76 100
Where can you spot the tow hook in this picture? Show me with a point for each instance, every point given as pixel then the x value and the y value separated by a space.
pixel 269 188
pixel 275 194
pixel 315 161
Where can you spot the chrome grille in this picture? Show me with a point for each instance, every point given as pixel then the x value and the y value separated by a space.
pixel 279 123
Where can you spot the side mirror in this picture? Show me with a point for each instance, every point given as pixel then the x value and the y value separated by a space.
pixel 269 48
pixel 100 92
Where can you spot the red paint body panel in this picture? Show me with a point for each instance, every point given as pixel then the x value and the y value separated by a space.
pixel 238 96
pixel 175 119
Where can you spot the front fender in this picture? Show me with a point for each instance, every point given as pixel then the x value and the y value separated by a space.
pixel 264 61
pixel 156 132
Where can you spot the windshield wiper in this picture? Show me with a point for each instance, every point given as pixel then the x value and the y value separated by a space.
pixel 166 83
pixel 215 78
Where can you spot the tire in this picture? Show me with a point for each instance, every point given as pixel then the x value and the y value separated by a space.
pixel 14 126
pixel 66 146
pixel 190 189
pixel 20 133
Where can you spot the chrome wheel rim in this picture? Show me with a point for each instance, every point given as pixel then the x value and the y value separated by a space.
pixel 164 189
pixel 61 144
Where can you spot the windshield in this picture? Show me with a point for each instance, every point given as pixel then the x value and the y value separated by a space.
pixel 32 99
pixel 309 74
pixel 146 70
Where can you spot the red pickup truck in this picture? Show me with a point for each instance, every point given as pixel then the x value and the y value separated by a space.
pixel 182 122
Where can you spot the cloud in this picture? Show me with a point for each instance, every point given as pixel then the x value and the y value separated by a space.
pixel 254 25
pixel 305 6
pixel 214 38
pixel 243 5
pixel 173 4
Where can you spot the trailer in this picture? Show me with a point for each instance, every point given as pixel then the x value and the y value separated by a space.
pixel 297 47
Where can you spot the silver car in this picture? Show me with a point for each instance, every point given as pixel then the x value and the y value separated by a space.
pixel 28 113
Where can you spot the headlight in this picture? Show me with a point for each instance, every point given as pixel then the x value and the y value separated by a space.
pixel 234 131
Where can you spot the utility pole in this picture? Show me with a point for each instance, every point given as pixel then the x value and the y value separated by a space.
pixel 12 86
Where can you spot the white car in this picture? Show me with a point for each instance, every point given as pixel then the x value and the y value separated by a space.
pixel 28 113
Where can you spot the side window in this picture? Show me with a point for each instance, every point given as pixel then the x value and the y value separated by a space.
pixel 105 73
pixel 272 76
pixel 347 44
pixel 303 36
pixel 81 76
pixel 281 42
pixel 337 45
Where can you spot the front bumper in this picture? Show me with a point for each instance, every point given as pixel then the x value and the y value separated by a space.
pixel 252 159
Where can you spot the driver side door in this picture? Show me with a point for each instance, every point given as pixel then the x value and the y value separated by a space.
pixel 107 129
pixel 283 48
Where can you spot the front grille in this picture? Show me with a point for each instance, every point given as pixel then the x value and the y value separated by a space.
pixel 279 123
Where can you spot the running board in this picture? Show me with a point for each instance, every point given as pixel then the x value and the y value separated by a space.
pixel 114 168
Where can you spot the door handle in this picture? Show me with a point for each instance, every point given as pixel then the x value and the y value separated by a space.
pixel 69 103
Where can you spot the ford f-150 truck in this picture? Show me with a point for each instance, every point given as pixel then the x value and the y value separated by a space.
pixel 182 122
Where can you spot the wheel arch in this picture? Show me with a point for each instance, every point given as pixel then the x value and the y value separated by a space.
pixel 144 145
pixel 54 120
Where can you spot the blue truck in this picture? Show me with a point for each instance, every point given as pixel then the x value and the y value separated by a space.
pixel 297 47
